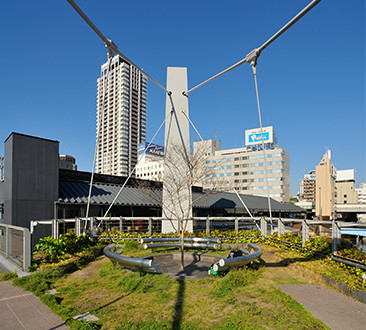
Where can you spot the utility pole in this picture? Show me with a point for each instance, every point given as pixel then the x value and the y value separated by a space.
pixel 1 169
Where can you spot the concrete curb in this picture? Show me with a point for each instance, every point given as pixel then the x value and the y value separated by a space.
pixel 11 268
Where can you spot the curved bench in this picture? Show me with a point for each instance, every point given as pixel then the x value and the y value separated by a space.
pixel 225 264
pixel 192 242
pixel 139 264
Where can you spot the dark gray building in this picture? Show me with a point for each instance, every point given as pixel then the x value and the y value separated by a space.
pixel 30 186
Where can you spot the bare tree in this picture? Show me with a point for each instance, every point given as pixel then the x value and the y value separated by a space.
pixel 182 171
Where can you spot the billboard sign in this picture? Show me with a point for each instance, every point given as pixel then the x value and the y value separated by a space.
pixel 346 175
pixel 254 136
pixel 309 176
pixel 152 149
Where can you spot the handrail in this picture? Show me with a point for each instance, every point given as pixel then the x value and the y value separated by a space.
pixel 27 257
pixel 186 245
pixel 175 239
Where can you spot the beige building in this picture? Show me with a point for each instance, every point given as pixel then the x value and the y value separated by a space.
pixel 121 117
pixel 325 191
pixel 244 169
pixel 345 187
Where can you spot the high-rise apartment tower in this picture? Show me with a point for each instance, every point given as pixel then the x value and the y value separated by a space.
pixel 121 117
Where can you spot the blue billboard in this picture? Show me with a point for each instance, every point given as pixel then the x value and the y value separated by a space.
pixel 258 137
pixel 152 149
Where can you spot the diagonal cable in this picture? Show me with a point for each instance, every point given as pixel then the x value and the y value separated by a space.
pixel 105 90
pixel 111 46
pixel 129 175
pixel 254 67
pixel 257 51
pixel 222 170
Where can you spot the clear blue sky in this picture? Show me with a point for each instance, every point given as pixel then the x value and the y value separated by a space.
pixel 311 80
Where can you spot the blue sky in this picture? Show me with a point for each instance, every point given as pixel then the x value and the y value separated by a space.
pixel 311 80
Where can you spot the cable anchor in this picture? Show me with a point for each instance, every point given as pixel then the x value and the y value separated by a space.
pixel 112 48
pixel 252 57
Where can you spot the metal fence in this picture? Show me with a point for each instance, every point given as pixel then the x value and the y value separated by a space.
pixel 15 245
pixel 148 226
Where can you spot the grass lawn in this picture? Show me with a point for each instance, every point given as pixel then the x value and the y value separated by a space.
pixel 244 298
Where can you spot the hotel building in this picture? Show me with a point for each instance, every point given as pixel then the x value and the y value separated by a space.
pixel 244 168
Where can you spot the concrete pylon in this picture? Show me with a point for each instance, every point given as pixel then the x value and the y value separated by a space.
pixel 176 185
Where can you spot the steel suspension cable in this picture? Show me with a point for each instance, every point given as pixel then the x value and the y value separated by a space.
pixel 222 170
pixel 129 175
pixel 257 51
pixel 111 46
pixel 254 68
pixel 104 91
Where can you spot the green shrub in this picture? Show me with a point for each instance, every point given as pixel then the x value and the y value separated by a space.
pixel 7 276
pixel 131 245
pixel 353 254
pixel 68 248
pixel 39 282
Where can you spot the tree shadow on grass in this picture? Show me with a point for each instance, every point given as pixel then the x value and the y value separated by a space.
pixel 118 298
pixel 178 308
pixel 111 302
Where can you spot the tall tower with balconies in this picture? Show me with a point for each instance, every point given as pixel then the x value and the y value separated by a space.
pixel 121 117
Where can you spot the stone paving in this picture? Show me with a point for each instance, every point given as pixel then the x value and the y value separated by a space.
pixel 21 309
pixel 334 309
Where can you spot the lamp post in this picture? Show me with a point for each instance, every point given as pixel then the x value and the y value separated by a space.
pixel 320 203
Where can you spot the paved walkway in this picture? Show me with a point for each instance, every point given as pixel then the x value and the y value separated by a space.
pixel 21 309
pixel 334 309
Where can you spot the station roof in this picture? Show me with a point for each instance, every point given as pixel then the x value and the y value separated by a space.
pixel 76 192
pixel 220 200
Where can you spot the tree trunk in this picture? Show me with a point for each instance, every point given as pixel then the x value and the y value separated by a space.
pixel 182 250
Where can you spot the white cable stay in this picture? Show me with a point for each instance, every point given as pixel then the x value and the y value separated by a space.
pixel 222 170
pixel 111 46
pixel 254 54
pixel 129 175
pixel 105 88
pixel 254 68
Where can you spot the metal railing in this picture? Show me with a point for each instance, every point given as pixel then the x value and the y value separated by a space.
pixel 15 245
pixel 150 225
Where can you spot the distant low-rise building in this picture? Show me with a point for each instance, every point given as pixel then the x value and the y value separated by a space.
pixel 307 187
pixel 150 164
pixel 361 193
pixel 67 162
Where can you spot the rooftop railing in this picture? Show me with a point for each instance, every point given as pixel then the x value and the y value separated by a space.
pixel 15 245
